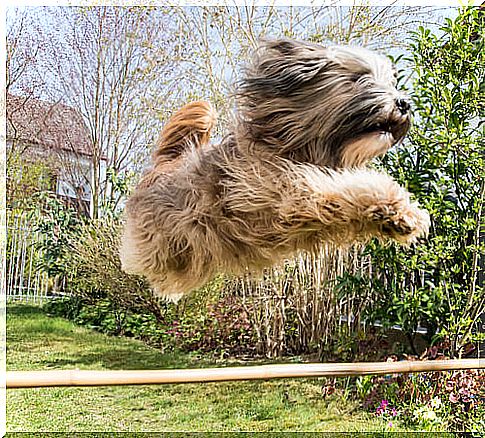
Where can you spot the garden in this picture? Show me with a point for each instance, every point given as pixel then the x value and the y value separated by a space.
pixel 372 302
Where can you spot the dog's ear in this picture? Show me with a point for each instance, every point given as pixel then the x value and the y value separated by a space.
pixel 283 66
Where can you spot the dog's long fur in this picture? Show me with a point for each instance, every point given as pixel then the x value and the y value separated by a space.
pixel 289 175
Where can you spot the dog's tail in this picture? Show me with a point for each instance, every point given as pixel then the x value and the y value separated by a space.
pixel 188 127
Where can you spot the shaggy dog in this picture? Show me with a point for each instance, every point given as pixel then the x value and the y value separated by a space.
pixel 289 175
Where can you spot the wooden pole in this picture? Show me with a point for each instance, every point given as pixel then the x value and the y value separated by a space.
pixel 36 379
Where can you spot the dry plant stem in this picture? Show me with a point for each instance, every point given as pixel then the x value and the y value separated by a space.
pixel 36 379
pixel 478 237
pixel 307 284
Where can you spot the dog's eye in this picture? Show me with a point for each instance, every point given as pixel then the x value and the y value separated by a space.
pixel 362 80
pixel 358 77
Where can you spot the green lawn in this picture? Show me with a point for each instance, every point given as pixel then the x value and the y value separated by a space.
pixel 36 341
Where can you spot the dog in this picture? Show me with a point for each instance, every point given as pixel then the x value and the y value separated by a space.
pixel 289 176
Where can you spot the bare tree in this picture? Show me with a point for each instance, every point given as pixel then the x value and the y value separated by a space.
pixel 215 42
pixel 109 64
pixel 21 74
pixel 124 69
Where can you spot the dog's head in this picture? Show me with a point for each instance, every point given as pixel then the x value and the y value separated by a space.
pixel 330 106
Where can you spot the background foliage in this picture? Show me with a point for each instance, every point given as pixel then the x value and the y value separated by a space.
pixel 436 283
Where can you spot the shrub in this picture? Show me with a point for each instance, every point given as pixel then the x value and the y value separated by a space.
pixel 453 401
pixel 26 178
pixel 58 224
pixel 103 316
pixel 95 269
pixel 199 323
pixel 436 283
pixel 223 328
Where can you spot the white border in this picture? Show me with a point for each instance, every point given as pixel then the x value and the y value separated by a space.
pixel 27 3
pixel 453 3
pixel 3 230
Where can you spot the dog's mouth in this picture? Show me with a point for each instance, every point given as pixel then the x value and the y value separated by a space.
pixel 395 129
pixel 373 141
pixel 381 127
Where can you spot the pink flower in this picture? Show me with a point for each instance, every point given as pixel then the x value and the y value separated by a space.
pixel 453 398
pixel 393 412
pixel 390 424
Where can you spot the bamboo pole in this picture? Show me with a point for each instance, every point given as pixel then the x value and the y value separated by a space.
pixel 36 379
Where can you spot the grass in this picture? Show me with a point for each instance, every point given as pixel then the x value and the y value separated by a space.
pixel 36 341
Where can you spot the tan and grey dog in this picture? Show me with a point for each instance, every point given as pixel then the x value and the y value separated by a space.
pixel 289 176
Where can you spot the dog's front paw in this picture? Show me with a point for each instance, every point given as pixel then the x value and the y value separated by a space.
pixel 404 223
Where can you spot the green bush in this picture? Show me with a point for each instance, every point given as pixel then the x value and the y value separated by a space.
pixel 223 328
pixel 58 224
pixel 436 283
pixel 105 317
pixel 26 178
pixel 453 401
pixel 199 323
pixel 94 269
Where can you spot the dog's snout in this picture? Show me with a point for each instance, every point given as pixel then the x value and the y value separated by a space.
pixel 403 105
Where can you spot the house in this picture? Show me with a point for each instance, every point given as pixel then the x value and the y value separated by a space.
pixel 56 135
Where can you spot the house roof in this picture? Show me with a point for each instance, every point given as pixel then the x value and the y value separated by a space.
pixel 51 126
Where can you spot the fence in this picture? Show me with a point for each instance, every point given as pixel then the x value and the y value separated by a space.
pixel 23 282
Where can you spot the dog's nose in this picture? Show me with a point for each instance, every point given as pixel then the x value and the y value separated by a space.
pixel 403 105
